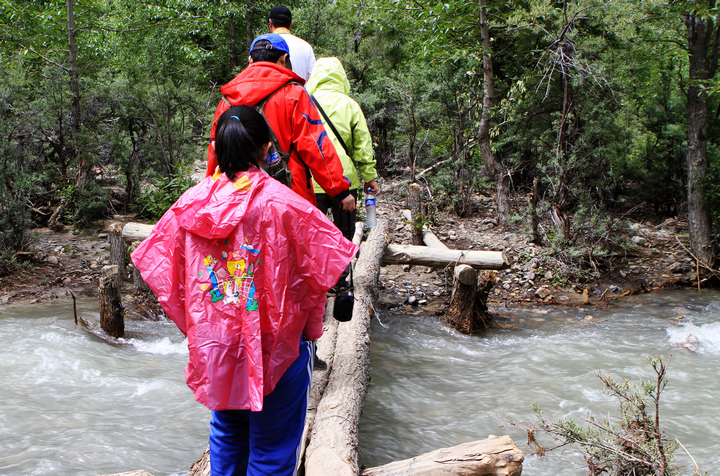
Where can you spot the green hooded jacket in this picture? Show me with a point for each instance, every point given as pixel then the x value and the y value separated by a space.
pixel 329 85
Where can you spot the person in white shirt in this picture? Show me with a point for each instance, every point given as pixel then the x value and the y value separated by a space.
pixel 302 57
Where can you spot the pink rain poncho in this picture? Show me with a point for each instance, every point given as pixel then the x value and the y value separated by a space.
pixel 243 269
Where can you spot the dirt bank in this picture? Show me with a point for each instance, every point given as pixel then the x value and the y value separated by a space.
pixel 653 257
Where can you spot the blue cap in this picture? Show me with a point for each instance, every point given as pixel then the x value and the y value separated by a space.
pixel 275 40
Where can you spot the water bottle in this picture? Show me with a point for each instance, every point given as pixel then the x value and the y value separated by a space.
pixel 370 209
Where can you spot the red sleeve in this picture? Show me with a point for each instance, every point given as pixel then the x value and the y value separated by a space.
pixel 315 147
pixel 212 162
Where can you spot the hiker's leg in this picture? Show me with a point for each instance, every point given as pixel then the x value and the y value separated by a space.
pixel 229 442
pixel 276 431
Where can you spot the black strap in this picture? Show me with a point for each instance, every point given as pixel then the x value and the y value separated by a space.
pixel 332 126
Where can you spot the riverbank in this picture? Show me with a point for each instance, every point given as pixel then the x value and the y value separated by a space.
pixel 648 254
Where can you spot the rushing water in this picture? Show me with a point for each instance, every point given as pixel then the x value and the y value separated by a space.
pixel 433 387
pixel 71 405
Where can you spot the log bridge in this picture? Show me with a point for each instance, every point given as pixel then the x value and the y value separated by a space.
pixel 330 441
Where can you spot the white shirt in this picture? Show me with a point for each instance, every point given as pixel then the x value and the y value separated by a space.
pixel 302 56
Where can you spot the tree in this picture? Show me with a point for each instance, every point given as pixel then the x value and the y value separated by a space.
pixel 702 41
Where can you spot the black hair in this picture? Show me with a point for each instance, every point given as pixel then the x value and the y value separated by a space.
pixel 240 135
pixel 281 16
pixel 261 52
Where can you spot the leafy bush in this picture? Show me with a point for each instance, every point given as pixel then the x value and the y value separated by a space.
pixel 155 200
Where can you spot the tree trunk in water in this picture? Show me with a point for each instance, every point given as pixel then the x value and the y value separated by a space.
pixel 700 31
pixel 111 311
pixel 502 178
pixel 467 311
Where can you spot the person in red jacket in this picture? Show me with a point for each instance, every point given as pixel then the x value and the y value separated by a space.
pixel 291 115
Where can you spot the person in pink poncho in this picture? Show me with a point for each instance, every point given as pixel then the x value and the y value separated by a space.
pixel 242 265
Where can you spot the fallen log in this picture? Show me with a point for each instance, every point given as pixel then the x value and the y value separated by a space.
pixel 496 456
pixel 439 258
pixel 136 231
pixel 333 447
pixel 326 352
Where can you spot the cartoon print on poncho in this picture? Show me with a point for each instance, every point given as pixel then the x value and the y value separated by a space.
pixel 232 278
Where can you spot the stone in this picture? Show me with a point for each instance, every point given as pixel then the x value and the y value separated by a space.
pixel 639 240
pixel 53 259
pixel 543 293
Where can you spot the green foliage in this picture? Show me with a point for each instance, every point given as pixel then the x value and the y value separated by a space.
pixel 158 197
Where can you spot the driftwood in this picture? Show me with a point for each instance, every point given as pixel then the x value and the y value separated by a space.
pixel 332 450
pixel 439 258
pixel 496 456
pixel 111 311
pixel 467 311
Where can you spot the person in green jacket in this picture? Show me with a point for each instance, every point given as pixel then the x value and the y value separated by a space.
pixel 329 86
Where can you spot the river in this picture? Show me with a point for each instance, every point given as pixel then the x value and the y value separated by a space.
pixel 73 405
pixel 433 387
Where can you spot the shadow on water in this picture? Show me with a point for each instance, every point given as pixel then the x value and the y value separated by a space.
pixel 433 387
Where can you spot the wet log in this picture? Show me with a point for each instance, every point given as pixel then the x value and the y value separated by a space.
pixel 111 311
pixel 496 456
pixel 467 311
pixel 439 258
pixel 333 447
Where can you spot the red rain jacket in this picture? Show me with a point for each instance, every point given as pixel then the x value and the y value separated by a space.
pixel 295 121
pixel 243 269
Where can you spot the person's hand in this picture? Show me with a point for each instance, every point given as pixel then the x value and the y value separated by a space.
pixel 373 186
pixel 348 203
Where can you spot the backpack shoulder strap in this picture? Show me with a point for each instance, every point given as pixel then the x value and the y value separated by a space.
pixel 332 126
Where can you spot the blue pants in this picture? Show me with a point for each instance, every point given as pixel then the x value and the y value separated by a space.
pixel 267 442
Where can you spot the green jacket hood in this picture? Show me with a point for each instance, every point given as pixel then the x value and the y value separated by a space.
pixel 328 74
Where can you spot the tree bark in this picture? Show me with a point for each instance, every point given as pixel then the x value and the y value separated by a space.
pixel 701 70
pixel 493 166
pixel 467 311
pixel 334 439
pixel 111 311
pixel 496 456
pixel 415 206
pixel 117 249
pixel 438 258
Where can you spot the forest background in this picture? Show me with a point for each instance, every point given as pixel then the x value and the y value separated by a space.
pixel 571 114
